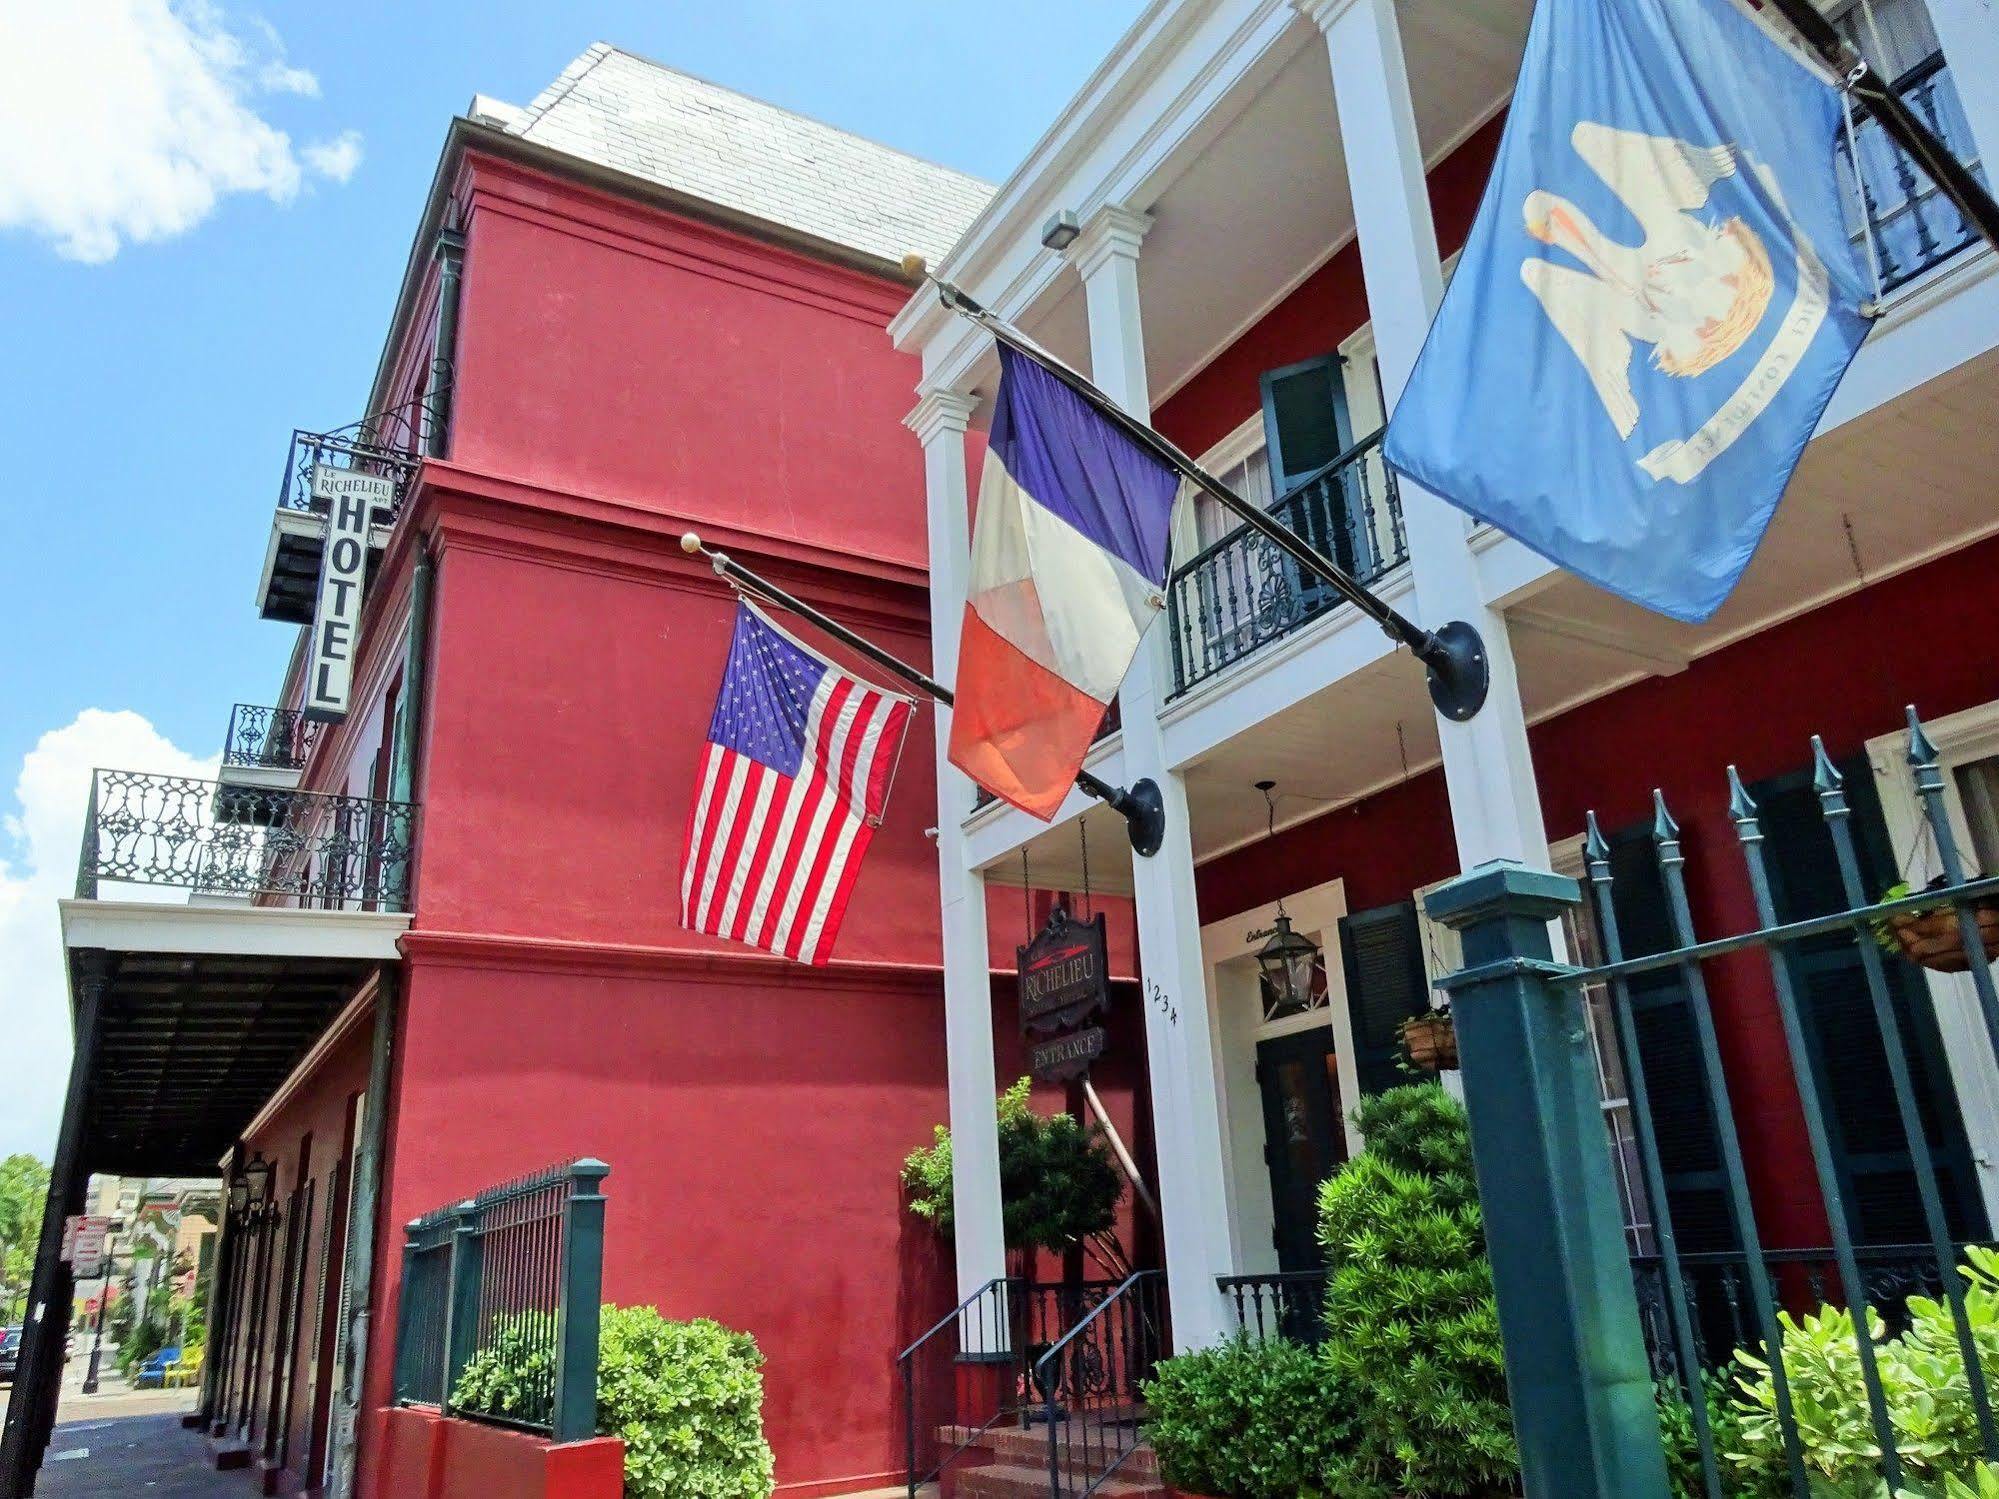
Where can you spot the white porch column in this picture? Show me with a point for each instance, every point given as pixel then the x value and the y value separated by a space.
pixel 1495 806
pixel 939 421
pixel 1187 1124
pixel 1968 31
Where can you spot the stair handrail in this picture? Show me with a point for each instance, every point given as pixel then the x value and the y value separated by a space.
pixel 1043 1382
pixel 905 1362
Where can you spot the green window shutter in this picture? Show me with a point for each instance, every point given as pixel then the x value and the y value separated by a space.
pixel 1305 421
pixel 1382 951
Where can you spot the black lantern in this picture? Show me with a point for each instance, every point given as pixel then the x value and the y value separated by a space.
pixel 1289 961
pixel 239 1195
pixel 257 1180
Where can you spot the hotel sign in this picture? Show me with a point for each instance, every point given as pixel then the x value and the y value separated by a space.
pixel 350 500
pixel 1063 981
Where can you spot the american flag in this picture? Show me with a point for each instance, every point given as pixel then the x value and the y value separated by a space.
pixel 793 783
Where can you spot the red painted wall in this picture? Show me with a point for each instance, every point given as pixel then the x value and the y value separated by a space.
pixel 309 1130
pixel 622 352
pixel 623 374
pixel 1843 671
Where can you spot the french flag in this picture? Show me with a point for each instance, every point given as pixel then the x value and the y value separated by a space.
pixel 1068 566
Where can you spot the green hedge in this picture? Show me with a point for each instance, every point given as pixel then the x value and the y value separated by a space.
pixel 686 1398
pixel 1249 1420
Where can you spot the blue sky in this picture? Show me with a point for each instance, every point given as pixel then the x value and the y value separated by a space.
pixel 146 398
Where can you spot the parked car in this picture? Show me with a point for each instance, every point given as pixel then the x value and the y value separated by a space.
pixel 10 1353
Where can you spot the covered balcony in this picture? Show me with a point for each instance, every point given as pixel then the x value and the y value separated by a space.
pixel 388 444
pixel 266 749
pixel 1259 358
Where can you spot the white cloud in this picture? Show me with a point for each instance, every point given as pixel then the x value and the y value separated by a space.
pixel 39 839
pixel 336 158
pixel 127 120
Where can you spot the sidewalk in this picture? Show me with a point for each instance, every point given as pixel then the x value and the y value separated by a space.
pixel 103 1458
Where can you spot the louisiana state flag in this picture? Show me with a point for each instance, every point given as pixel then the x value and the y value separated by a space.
pixel 1658 298
pixel 1068 566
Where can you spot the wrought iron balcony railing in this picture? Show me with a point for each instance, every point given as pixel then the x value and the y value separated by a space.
pixel 294 847
pixel 389 443
pixel 263 738
pixel 1238 595
pixel 1891 200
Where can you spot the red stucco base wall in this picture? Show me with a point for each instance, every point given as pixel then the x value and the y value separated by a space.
pixel 426 1456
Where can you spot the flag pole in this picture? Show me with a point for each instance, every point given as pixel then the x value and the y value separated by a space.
pixel 1140 805
pixel 1454 653
pixel 1952 177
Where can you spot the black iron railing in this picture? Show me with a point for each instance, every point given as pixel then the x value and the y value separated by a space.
pixel 1240 594
pixel 389 443
pixel 336 852
pixel 1089 1383
pixel 1716 1291
pixel 263 738
pixel 1913 226
pixel 975 1368
pixel 1280 1304
pixel 498 1314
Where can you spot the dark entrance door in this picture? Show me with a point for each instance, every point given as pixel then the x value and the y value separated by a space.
pixel 1304 1138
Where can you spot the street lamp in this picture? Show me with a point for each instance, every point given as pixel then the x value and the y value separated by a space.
pixel 103 1301
pixel 256 1182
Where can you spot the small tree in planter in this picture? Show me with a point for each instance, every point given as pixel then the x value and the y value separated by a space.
pixel 1059 1185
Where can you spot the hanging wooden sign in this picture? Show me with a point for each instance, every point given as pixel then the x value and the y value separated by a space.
pixel 1067 1056
pixel 1062 973
pixel 1064 981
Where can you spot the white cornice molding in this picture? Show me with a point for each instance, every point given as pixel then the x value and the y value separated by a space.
pixel 1113 231
pixel 940 413
pixel 1323 13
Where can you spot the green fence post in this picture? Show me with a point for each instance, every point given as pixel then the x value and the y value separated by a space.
pixel 461 1307
pixel 578 1307
pixel 1583 1404
pixel 399 1365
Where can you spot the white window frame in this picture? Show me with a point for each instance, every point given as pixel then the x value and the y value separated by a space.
pixel 1960 739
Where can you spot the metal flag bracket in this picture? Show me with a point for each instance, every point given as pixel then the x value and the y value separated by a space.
pixel 1140 805
pixel 1453 654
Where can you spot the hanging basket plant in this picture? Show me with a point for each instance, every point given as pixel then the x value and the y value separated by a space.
pixel 1431 1040
pixel 1934 938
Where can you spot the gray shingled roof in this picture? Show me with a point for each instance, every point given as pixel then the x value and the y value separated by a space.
pixel 742 154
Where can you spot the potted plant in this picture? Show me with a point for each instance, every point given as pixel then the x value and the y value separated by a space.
pixel 1933 937
pixel 1431 1040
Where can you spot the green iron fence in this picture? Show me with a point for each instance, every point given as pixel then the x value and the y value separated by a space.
pixel 511 1280
pixel 1583 1385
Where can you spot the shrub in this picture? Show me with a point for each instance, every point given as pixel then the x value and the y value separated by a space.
pixel 1247 1420
pixel 1683 1453
pixel 1922 1375
pixel 1058 1182
pixel 513 1374
pixel 1412 1331
pixel 145 1340
pixel 685 1397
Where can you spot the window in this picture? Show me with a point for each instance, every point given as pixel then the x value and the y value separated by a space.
pixel 1978 789
pixel 1306 424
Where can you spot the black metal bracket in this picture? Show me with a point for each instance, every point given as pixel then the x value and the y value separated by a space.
pixel 1143 811
pixel 1460 673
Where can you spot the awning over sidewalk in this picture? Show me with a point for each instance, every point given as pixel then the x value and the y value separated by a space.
pixel 204 1013
pixel 187 1018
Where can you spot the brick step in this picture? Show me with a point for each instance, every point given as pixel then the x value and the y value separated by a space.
pixel 1011 1481
pixel 1028 1447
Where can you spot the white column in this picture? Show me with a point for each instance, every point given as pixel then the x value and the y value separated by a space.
pixel 1495 807
pixel 1968 31
pixel 1187 1123
pixel 939 421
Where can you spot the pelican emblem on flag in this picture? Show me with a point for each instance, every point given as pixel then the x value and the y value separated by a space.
pixel 1694 289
